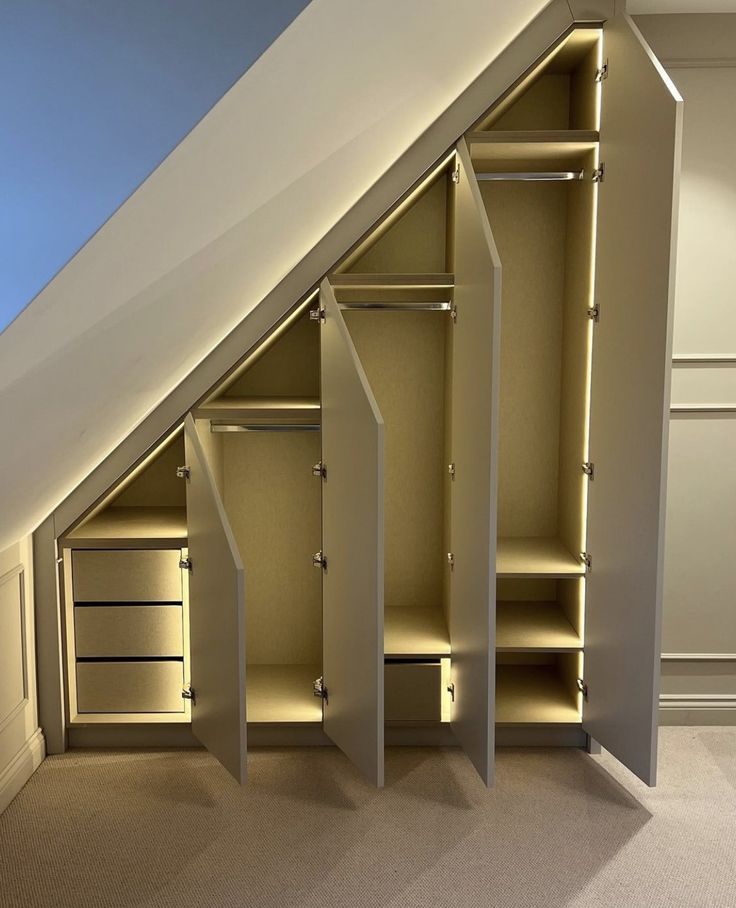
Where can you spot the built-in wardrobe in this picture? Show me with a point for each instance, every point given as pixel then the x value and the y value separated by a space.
pixel 427 506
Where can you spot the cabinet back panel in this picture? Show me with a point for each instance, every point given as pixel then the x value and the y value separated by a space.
pixel 546 105
pixel 157 485
pixel 403 354
pixel 416 242
pixel 288 368
pixel 274 506
pixel 529 222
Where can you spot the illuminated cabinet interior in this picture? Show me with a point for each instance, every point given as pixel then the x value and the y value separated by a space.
pixel 409 513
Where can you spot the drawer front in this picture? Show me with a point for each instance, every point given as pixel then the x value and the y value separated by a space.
pixel 412 692
pixel 130 687
pixel 126 576
pixel 128 630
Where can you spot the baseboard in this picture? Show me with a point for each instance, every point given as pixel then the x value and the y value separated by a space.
pixel 21 768
pixel 696 715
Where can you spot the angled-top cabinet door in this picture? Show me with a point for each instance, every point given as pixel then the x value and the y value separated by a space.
pixel 352 533
pixel 474 420
pixel 216 615
pixel 637 209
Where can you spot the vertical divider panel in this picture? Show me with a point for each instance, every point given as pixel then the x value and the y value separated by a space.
pixel 352 533
pixel 216 616
pixel 474 434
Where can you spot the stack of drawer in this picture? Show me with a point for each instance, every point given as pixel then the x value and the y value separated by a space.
pixel 128 631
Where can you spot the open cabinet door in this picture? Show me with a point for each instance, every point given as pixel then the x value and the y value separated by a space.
pixel 474 420
pixel 352 533
pixel 216 616
pixel 634 282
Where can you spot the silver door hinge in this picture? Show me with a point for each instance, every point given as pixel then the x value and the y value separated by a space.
pixel 599 174
pixel 451 470
pixel 589 469
pixel 185 564
pixel 453 312
pixel 602 72
pixel 187 693
pixel 317 314
pixel 183 472
pixel 586 559
pixel 582 687
pixel 451 690
pixel 451 559
pixel 455 175
pixel 593 313
pixel 319 469
pixel 319 689
pixel 319 559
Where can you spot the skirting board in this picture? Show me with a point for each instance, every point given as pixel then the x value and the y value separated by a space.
pixel 21 768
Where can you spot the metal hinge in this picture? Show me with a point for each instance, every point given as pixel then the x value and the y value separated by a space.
pixel 319 469
pixel 453 312
pixel 187 693
pixel 451 559
pixel 582 687
pixel 602 72
pixel 589 469
pixel 593 313
pixel 317 314
pixel 451 470
pixel 319 689
pixel 183 472
pixel 587 559
pixel 455 175
pixel 451 690
pixel 319 559
pixel 185 564
pixel 599 174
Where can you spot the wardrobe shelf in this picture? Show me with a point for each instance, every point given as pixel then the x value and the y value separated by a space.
pixel 353 281
pixel 536 556
pixel 533 626
pixel 128 527
pixel 410 633
pixel 261 410
pixel 533 695
pixel 526 150
pixel 282 694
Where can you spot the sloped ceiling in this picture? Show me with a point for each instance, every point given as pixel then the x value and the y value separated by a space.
pixel 344 91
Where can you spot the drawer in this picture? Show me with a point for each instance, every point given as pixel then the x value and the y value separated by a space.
pixel 130 687
pixel 412 692
pixel 128 630
pixel 126 576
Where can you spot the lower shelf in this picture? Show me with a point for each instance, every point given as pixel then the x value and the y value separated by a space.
pixel 534 694
pixel 282 693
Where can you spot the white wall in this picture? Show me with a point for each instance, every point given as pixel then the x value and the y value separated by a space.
pixel 296 142
pixel 21 740
pixel 699 621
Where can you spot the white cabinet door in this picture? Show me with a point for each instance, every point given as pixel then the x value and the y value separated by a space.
pixel 216 616
pixel 637 210
pixel 475 381
pixel 352 528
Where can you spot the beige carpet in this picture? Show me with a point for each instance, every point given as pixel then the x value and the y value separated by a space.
pixel 169 828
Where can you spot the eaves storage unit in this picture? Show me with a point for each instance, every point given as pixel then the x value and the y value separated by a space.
pixel 426 504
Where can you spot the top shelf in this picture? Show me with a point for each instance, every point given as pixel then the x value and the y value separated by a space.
pixel 536 557
pixel 263 410
pixel 352 281
pixel 522 149
pixel 131 527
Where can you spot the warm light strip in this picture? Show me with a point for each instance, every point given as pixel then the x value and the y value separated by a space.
pixel 542 176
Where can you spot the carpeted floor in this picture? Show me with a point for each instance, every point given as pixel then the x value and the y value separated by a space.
pixel 561 828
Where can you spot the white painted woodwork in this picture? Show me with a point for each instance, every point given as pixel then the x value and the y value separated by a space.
pixel 637 207
pixel 352 528
pixel 126 576
pixel 413 692
pixel 473 440
pixel 216 616
pixel 129 630
pixel 13 632
pixel 129 687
